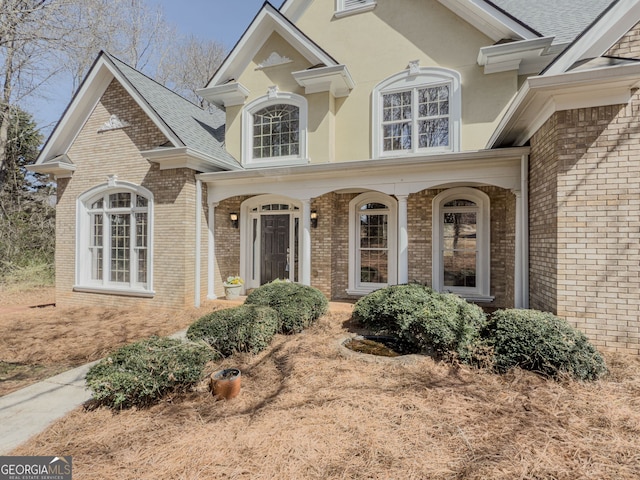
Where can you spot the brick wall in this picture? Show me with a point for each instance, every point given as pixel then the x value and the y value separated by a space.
pixel 591 157
pixel 628 46
pixel 97 155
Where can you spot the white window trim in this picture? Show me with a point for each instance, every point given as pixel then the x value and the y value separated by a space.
pixel 83 281
pixel 345 11
pixel 355 287
pixel 481 292
pixel 410 79
pixel 274 98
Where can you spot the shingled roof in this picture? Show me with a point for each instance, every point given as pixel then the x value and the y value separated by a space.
pixel 195 127
pixel 562 19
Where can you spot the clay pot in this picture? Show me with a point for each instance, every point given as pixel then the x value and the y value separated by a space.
pixel 225 384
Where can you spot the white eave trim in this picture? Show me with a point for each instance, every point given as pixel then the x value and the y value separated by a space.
pixel 542 96
pixel 521 55
pixel 185 157
pixel 599 38
pixel 335 79
pixel 227 95
pixel 267 21
pixel 59 167
pixel 490 21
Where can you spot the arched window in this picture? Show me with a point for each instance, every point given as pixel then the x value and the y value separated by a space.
pixel 461 243
pixel 275 130
pixel 114 250
pixel 417 111
pixel 372 238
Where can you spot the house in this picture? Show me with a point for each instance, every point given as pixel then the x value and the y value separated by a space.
pixel 486 148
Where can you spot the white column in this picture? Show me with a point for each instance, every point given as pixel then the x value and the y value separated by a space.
pixel 519 260
pixel 211 252
pixel 403 240
pixel 196 289
pixel 524 188
pixel 305 245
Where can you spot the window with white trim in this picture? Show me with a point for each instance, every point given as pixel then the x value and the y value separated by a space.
pixel 417 112
pixel 461 243
pixel 114 239
pixel 275 130
pixel 373 252
pixel 351 7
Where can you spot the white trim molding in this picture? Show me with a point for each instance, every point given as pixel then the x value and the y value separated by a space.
pixel 274 97
pixel 410 80
pixel 84 281
pixel 357 286
pixel 481 291
pixel 344 8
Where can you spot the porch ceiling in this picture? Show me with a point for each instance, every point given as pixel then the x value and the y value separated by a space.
pixel 396 176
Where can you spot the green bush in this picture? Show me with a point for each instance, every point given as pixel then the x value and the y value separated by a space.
pixel 139 374
pixel 430 321
pixel 246 328
pixel 298 306
pixel 543 343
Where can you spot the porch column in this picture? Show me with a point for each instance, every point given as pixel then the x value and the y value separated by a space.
pixel 211 252
pixel 305 246
pixel 403 240
pixel 519 260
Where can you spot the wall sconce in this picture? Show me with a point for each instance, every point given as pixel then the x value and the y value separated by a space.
pixel 314 219
pixel 234 219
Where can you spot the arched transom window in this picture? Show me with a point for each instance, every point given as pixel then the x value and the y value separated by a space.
pixel 114 250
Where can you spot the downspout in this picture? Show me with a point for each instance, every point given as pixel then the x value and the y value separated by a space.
pixel 196 302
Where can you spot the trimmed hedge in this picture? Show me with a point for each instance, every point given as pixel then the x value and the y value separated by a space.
pixel 431 321
pixel 298 306
pixel 246 328
pixel 141 373
pixel 543 343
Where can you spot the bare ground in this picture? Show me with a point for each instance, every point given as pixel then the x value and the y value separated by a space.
pixel 307 411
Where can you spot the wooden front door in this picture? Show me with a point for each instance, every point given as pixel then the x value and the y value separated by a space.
pixel 274 241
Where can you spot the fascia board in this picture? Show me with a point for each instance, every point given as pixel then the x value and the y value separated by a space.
pixel 336 79
pixel 541 96
pixel 77 113
pixel 265 23
pixel 226 95
pixel 57 169
pixel 83 104
pixel 184 157
pixel 491 22
pixel 512 50
pixel 294 9
pixel 600 36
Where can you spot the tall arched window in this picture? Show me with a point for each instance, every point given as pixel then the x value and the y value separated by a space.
pixel 461 243
pixel 372 238
pixel 275 130
pixel 417 111
pixel 114 250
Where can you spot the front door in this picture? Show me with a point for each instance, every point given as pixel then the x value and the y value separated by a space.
pixel 274 241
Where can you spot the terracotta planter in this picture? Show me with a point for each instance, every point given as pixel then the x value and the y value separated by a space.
pixel 225 384
pixel 231 291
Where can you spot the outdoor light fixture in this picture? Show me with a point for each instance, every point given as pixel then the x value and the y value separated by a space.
pixel 314 219
pixel 234 219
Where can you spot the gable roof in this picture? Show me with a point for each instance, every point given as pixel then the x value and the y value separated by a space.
pixel 187 126
pixel 562 19
pixel 268 20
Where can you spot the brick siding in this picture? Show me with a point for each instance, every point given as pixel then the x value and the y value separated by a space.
pixel 628 46
pixel 585 205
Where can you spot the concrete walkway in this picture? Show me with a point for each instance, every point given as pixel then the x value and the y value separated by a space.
pixel 29 411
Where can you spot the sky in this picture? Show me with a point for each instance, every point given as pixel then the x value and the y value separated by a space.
pixel 222 20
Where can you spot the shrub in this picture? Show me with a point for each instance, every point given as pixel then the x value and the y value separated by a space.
pixel 543 343
pixel 246 328
pixel 428 320
pixel 139 374
pixel 298 306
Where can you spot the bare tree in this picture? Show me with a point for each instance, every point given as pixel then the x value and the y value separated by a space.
pixel 190 65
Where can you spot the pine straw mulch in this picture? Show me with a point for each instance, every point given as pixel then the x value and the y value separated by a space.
pixel 37 343
pixel 308 412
